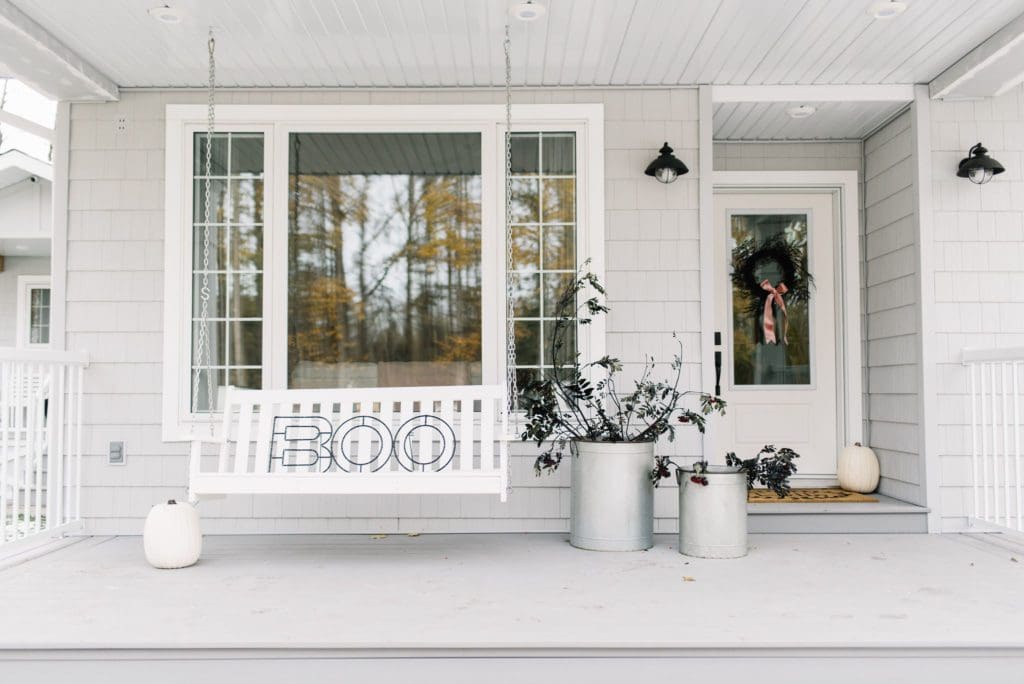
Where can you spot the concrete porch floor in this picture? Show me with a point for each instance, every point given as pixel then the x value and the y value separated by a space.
pixel 958 597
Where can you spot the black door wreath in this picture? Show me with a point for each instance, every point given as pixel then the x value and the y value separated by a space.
pixel 763 297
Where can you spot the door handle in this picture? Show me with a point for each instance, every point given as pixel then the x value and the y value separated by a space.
pixel 718 364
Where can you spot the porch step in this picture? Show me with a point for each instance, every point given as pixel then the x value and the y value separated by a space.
pixel 887 515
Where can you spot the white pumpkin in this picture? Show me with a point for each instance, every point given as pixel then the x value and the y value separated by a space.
pixel 171 536
pixel 858 469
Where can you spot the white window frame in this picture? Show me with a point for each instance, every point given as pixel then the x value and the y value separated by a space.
pixel 276 122
pixel 23 318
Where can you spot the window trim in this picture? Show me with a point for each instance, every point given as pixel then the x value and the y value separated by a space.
pixel 23 317
pixel 276 122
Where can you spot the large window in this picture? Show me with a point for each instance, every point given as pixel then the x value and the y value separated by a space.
pixel 365 247
pixel 384 263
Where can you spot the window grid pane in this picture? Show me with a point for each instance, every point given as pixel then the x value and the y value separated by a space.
pixel 544 246
pixel 39 316
pixel 235 273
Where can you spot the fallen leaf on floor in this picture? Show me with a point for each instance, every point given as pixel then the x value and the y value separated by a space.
pixel 687 578
pixel 378 536
pixel 1014 559
pixel 413 534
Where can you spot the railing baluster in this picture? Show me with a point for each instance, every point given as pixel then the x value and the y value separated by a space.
pixel 974 437
pixel 16 430
pixel 1006 445
pixel 30 416
pixel 1016 441
pixel 5 428
pixel 984 443
pixel 41 395
pixel 59 416
pixel 39 442
pixel 80 372
pixel 994 457
pixel 994 378
pixel 68 463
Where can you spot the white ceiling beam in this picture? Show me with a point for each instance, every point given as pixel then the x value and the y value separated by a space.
pixel 993 50
pixel 34 56
pixel 813 93
pixel 24 124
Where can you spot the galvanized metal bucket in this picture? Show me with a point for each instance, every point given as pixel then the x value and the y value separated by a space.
pixel 713 517
pixel 612 497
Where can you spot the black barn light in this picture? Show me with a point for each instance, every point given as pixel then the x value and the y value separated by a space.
pixel 666 168
pixel 978 167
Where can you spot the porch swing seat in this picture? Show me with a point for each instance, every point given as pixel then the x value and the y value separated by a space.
pixel 395 440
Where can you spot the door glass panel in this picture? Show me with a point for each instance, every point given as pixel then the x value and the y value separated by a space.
pixel 770 317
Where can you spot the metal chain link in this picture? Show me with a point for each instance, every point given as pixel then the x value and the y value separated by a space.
pixel 510 340
pixel 203 356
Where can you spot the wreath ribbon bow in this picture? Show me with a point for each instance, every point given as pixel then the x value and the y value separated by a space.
pixel 774 297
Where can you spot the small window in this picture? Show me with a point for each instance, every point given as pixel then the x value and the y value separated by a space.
pixel 33 311
pixel 543 246
pixel 39 316
pixel 233 266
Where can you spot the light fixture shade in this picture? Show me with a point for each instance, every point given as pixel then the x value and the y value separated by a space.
pixel 887 9
pixel 528 11
pixel 978 167
pixel 666 168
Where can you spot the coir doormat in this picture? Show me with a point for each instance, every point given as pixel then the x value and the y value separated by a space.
pixel 810 495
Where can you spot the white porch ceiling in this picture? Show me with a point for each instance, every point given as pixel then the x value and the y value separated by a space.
pixel 419 43
pixel 770 120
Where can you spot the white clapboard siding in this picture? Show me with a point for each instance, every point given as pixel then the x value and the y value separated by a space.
pixel 892 286
pixel 114 307
pixel 372 448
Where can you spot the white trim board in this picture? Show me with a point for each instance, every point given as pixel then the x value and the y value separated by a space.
pixel 987 55
pixel 51 62
pixel 928 426
pixel 846 184
pixel 812 93
pixel 61 167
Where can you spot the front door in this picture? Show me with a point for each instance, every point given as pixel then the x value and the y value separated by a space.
pixel 777 327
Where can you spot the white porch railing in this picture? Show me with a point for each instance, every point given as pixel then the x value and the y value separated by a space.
pixel 995 394
pixel 40 442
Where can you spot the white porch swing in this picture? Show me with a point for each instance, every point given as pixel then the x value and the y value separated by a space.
pixel 393 440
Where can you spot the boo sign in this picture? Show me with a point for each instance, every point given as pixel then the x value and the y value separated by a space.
pixel 314 442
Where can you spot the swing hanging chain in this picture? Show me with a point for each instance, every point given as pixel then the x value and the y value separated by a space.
pixel 204 359
pixel 510 332
pixel 510 341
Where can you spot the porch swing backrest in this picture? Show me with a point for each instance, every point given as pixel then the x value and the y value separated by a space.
pixel 397 440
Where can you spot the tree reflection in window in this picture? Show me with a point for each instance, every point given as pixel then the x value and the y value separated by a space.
pixel 384 259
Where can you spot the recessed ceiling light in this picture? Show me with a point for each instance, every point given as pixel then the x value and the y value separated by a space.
pixel 166 14
pixel 887 9
pixel 527 11
pixel 801 111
